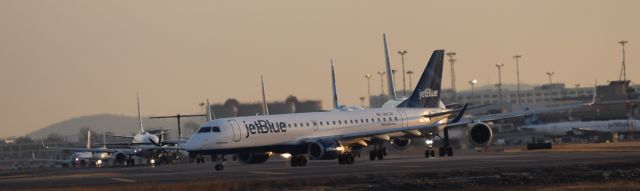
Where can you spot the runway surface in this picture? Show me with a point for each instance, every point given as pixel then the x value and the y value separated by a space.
pixel 280 169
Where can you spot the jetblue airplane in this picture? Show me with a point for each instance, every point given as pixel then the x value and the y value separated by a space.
pixel 340 134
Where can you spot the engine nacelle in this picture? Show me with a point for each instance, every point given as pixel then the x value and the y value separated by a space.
pixel 254 158
pixel 401 144
pixel 120 157
pixel 325 150
pixel 480 134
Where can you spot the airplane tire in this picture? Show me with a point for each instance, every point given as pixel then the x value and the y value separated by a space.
pixel 219 167
pixel 380 155
pixel 372 155
pixel 349 159
pixel 450 151
pixel 442 152
pixel 341 159
pixel 303 161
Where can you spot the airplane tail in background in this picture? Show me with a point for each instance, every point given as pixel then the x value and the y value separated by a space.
pixel 336 104
pixel 390 78
pixel 427 91
pixel 139 115
pixel 265 107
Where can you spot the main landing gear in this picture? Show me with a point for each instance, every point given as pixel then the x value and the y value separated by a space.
pixel 378 152
pixel 346 158
pixel 298 160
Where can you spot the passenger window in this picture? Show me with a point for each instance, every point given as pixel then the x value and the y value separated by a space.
pixel 295 125
pixel 289 125
pixel 396 118
pixel 301 124
pixel 351 121
pixel 334 122
pixel 321 123
pixel 367 120
pixel 384 119
pixel 204 130
pixel 215 129
pixel 339 122
pixel 378 119
pixel 361 120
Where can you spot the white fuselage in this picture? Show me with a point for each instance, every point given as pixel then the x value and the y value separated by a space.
pixel 610 126
pixel 293 129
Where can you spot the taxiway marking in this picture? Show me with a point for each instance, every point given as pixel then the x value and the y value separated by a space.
pixel 403 166
pixel 123 180
pixel 272 173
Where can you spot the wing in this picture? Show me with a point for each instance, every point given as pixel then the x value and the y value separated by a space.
pixel 494 117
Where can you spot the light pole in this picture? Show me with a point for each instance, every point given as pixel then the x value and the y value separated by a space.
pixel 517 57
pixel 410 73
pixel 623 71
pixel 550 81
pixel 499 66
pixel 404 84
pixel 368 76
pixel 472 83
pixel 381 82
pixel 453 75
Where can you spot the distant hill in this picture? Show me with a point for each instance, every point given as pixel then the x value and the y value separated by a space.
pixel 117 124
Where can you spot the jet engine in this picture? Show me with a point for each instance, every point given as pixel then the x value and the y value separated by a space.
pixel 254 158
pixel 400 143
pixel 120 157
pixel 325 150
pixel 480 134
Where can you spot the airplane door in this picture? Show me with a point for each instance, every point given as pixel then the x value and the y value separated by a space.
pixel 315 125
pixel 403 117
pixel 237 131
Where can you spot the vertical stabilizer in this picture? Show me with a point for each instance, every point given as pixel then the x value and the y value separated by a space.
pixel 139 115
pixel 210 115
pixel 265 107
pixel 390 80
pixel 336 104
pixel 427 91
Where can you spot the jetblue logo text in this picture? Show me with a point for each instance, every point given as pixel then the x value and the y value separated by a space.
pixel 428 93
pixel 264 126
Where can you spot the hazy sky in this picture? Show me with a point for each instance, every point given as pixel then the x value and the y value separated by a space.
pixel 62 59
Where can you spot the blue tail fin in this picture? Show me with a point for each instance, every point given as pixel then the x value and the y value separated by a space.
pixel 427 91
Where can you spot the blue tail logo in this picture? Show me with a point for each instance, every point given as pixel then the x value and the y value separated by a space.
pixel 427 91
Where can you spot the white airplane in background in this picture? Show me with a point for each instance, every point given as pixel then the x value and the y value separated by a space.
pixel 586 127
pixel 144 144
pixel 87 156
pixel 339 134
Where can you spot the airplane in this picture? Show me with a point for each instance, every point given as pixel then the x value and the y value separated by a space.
pixel 337 134
pixel 586 127
pixel 144 144
pixel 88 156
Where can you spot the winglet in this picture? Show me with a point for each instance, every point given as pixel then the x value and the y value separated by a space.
pixel 391 82
pixel 459 116
pixel 336 104
pixel 265 108
pixel 139 116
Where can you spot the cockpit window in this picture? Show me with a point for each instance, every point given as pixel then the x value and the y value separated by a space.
pixel 205 130
pixel 215 129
